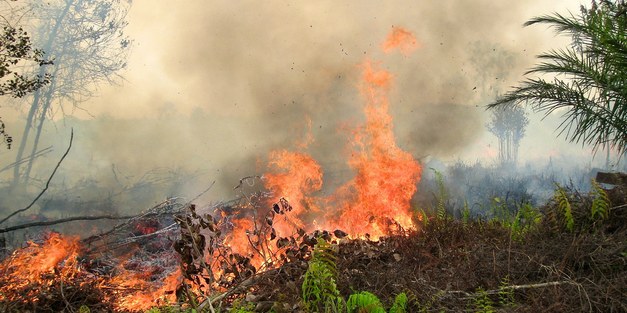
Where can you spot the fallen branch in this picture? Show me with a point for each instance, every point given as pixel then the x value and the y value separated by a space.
pixel 47 182
pixel 64 220
pixel 469 295
pixel 37 154
pixel 154 211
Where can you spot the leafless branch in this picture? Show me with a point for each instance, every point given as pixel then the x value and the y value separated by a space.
pixel 64 220
pixel 47 183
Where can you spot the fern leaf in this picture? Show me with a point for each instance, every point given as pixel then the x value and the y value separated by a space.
pixel 364 302
pixel 319 288
pixel 600 202
pixel 565 208
pixel 400 304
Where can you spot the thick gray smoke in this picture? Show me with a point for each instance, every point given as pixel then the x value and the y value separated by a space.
pixel 213 86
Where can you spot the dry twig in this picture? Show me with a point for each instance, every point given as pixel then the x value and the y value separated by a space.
pixel 47 182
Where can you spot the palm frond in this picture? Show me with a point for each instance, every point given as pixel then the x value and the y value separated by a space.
pixel 589 86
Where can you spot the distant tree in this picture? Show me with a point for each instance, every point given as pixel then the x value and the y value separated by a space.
pixel 588 80
pixel 87 41
pixel 17 54
pixel 508 124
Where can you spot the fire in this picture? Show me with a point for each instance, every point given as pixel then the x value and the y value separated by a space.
pixel 298 176
pixel 401 39
pixel 375 202
pixel 146 293
pixel 238 238
pixel 35 262
pixel 386 176
pixel 55 263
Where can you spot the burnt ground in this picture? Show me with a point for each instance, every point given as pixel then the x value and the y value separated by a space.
pixel 447 265
pixel 452 266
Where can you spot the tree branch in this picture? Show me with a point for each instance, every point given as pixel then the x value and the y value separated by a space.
pixel 65 220
pixel 47 183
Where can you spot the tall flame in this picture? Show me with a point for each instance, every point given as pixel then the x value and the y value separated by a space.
pixel 386 176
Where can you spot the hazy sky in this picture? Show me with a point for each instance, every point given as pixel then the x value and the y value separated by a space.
pixel 276 63
pixel 242 58
pixel 217 84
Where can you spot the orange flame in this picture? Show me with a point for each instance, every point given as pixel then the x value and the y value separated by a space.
pixel 386 176
pixel 299 175
pixel 56 260
pixel 373 202
pixel 400 39
pixel 57 254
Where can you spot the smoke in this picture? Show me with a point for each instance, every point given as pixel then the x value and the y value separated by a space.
pixel 213 86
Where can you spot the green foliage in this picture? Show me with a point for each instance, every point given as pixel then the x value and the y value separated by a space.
pixel 320 292
pixel 600 208
pixel 364 302
pixel 481 302
pixel 499 210
pixel 84 309
pixel 400 304
pixel 15 49
pixel 428 305
pixel 319 289
pixel 564 207
pixel 527 218
pixel 466 213
pixel 242 307
pixel 422 216
pixel 589 77
pixel 442 195
pixel 506 293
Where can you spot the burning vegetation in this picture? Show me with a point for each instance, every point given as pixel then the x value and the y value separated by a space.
pixel 360 248
pixel 220 251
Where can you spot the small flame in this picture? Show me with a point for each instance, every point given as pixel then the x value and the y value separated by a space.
pixel 400 39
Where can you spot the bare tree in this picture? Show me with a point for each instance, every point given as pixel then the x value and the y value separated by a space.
pixel 86 40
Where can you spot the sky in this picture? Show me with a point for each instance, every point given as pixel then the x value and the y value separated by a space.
pixel 213 86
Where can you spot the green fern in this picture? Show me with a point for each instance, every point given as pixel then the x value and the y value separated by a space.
pixel 561 198
pixel 239 306
pixel 600 203
pixel 506 293
pixel 442 195
pixel 364 302
pixel 466 213
pixel 84 309
pixel 482 302
pixel 423 217
pixel 320 293
pixel 400 304
pixel 526 219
